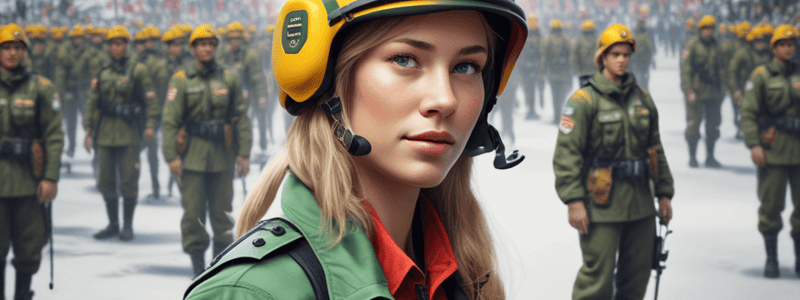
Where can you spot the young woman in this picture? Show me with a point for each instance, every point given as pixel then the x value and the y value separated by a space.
pixel 391 214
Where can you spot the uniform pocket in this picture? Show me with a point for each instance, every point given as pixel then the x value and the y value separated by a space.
pixel 611 130
pixel 23 112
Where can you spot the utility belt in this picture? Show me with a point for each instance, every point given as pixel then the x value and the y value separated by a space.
pixel 710 78
pixel 788 125
pixel 23 149
pixel 624 169
pixel 209 130
pixel 129 112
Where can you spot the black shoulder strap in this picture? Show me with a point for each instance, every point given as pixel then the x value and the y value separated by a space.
pixel 305 257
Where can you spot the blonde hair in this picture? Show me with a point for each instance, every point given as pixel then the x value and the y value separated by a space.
pixel 330 173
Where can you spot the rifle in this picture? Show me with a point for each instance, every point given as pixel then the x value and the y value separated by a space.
pixel 659 254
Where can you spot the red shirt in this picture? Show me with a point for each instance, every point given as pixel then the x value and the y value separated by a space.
pixel 401 271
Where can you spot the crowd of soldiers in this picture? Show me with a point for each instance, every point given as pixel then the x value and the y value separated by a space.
pixel 128 88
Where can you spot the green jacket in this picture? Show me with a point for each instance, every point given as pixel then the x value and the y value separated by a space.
pixel 157 68
pixel 40 59
pixel 555 58
pixel 247 271
pixel 247 64
pixel 189 95
pixel 582 54
pixel 773 90
pixel 71 74
pixel 30 108
pixel 744 61
pixel 118 83
pixel 530 59
pixel 702 61
pixel 642 58
pixel 610 122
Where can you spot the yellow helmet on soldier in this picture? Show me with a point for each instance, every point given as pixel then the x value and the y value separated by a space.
pixel 690 22
pixel 783 32
pixel 587 25
pixel 235 26
pixel 707 21
pixel 153 33
pixel 205 31
pixel 614 34
pixel 170 35
pixel 743 29
pixel 185 28
pixel 118 32
pixel 77 31
pixel 556 24
pixel 13 32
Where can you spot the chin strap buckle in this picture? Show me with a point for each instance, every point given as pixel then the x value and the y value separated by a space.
pixel 502 162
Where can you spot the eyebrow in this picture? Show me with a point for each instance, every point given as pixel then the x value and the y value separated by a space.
pixel 430 47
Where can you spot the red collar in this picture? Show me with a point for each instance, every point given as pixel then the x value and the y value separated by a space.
pixel 400 270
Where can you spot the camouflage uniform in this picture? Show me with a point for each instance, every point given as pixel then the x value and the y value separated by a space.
pixel 556 67
pixel 30 110
pixel 599 131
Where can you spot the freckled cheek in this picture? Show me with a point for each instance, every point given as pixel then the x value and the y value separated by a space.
pixel 470 103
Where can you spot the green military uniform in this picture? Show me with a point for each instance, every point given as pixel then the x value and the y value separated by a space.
pixel 772 100
pixel 30 109
pixel 582 54
pixel 601 128
pixel 531 67
pixel 701 71
pixel 69 79
pixel 642 59
pixel 123 86
pixel 199 99
pixel 265 51
pixel 744 61
pixel 157 67
pixel 556 67
pixel 40 60
pixel 247 64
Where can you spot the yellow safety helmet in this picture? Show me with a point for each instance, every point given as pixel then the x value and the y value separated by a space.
pixel 235 26
pixel 77 31
pixel 616 33
pixel 743 29
pixel 205 31
pixel 13 32
pixel 57 33
pixel 234 30
pixel 310 32
pixel 35 32
pixel 185 28
pixel 118 32
pixel 153 33
pixel 252 28
pixel 104 31
pixel 140 36
pixel 173 35
pixel 707 21
pixel 90 29
pixel 556 24
pixel 767 28
pixel 783 32
pixel 587 25
pixel 690 22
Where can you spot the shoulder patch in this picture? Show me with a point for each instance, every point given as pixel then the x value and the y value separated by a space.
pixel 581 95
pixel 44 81
pixel 760 70
pixel 139 67
pixel 685 53
pixel 179 74
pixel 56 101
pixel 748 86
pixel 567 124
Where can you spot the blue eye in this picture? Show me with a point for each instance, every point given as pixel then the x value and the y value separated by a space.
pixel 404 61
pixel 466 68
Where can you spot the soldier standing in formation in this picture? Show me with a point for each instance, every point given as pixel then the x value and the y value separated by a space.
pixel 121 108
pixel 177 59
pixel 583 50
pixel 771 124
pixel 247 65
pixel 556 66
pixel 642 60
pixel 69 79
pixel 31 141
pixel 206 130
pixel 156 65
pixel 754 53
pixel 610 126
pixel 530 65
pixel 701 73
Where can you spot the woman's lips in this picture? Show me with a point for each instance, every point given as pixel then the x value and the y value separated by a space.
pixel 432 142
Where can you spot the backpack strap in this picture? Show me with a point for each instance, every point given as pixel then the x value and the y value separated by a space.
pixel 305 257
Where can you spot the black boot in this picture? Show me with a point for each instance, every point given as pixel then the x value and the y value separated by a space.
pixel 198 263
pixel 771 269
pixel 693 154
pixel 112 209
pixel 23 288
pixel 128 206
pixel 710 161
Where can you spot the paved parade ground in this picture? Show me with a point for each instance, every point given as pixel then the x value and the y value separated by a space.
pixel 716 251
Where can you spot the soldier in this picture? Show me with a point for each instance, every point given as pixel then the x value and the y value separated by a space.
pixel 556 66
pixel 771 124
pixel 753 54
pixel 156 65
pixel 583 49
pixel 608 137
pixel 272 87
pixel 531 66
pixel 121 108
pixel 177 59
pixel 206 130
pixel 31 142
pixel 701 68
pixel 39 60
pixel 645 51
pixel 688 34
pixel 67 80
pixel 247 64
